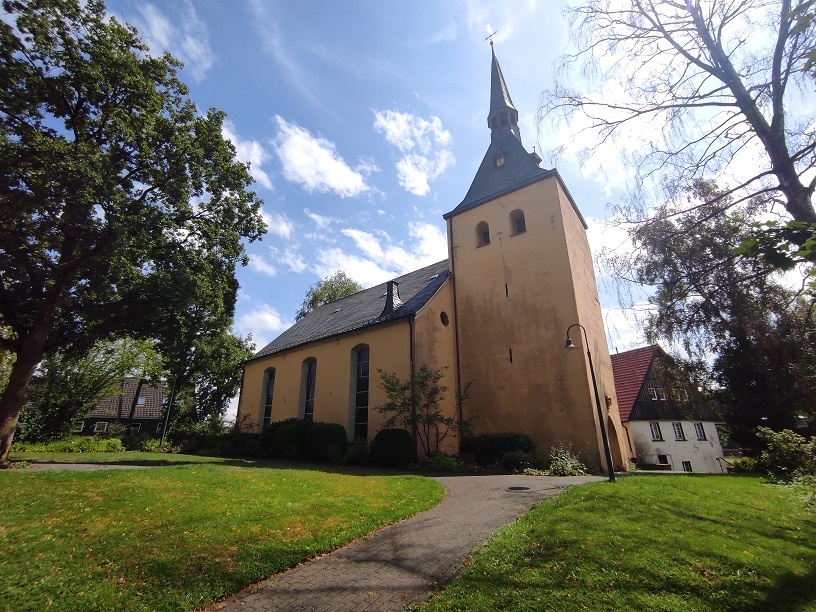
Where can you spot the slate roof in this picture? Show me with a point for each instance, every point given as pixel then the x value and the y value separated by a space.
pixel 362 309
pixel 629 369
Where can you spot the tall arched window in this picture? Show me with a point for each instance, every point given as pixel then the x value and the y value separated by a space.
pixel 482 234
pixel 360 406
pixel 269 391
pixel 517 223
pixel 309 379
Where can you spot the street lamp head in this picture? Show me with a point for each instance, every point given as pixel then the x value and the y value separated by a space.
pixel 568 346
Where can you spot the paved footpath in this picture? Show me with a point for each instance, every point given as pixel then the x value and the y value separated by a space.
pixel 399 565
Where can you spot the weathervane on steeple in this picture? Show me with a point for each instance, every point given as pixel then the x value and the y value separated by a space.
pixel 490 34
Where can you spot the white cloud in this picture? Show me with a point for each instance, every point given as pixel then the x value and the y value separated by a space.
pixel 260 264
pixel 294 260
pixel 425 146
pixel 184 35
pixel 278 224
pixel 321 221
pixel 264 323
pixel 248 151
pixel 363 270
pixel 624 326
pixel 314 163
pixel 366 242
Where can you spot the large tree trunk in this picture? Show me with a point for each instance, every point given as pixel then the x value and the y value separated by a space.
pixel 14 395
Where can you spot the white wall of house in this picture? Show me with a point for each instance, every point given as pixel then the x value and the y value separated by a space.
pixel 700 455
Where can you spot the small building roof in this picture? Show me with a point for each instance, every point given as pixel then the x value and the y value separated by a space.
pixel 363 309
pixel 629 369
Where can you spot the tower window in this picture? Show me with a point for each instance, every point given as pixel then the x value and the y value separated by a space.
pixel 361 371
pixel 309 378
pixel 269 391
pixel 517 223
pixel 482 234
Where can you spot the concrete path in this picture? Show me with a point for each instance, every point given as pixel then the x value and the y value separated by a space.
pixel 399 565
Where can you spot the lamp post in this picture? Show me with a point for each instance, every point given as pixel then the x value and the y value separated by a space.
pixel 601 420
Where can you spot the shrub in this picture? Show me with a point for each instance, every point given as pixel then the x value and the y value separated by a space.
pixel 514 461
pixel 563 461
pixel 741 465
pixel 140 442
pixel 73 444
pixel 325 442
pixel 267 436
pixel 235 444
pixel 358 453
pixel 489 448
pixel 393 448
pixel 788 454
pixel 287 443
pixel 442 462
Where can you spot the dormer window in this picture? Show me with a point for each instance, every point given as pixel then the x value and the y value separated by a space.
pixel 500 159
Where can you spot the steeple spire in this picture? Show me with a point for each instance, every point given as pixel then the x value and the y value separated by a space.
pixel 503 116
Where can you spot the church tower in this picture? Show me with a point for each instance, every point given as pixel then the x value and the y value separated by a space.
pixel 522 274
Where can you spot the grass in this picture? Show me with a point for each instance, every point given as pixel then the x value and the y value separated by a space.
pixel 123 457
pixel 650 543
pixel 176 538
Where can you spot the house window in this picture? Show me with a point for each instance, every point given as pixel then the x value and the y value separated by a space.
pixel 100 427
pixel 655 427
pixel 698 429
pixel 361 394
pixel 482 234
pixel 269 391
pixel 517 224
pixel 653 393
pixel 310 376
pixel 135 428
pixel 663 460
pixel 687 466
pixel 78 427
pixel 661 394
pixel 140 401
pixel 678 431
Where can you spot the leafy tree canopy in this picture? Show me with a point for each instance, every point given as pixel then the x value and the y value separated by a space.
pixel 117 194
pixel 330 289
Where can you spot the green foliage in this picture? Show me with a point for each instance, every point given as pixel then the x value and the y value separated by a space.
pixel 414 405
pixel 564 461
pixel 393 448
pixel 267 436
pixel 737 543
pixel 489 448
pixel 68 387
pixel 288 441
pixel 325 442
pixel 441 462
pixel 231 526
pixel 72 444
pixel 125 210
pixel 330 289
pixel 140 442
pixel 787 455
pixel 514 461
pixel 742 465
pixel 358 452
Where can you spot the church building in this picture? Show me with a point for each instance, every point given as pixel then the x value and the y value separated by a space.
pixel 493 318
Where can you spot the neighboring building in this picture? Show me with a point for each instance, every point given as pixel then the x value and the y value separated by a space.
pixel 148 411
pixel 668 426
pixel 493 315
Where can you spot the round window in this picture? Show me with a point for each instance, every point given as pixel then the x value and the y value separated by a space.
pixel 444 318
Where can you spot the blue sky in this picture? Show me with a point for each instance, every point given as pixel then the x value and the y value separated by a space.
pixel 364 122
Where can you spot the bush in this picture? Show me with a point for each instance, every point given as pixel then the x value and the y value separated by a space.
pixel 563 461
pixel 358 452
pixel 442 462
pixel 287 442
pixel 72 444
pixel 741 465
pixel 514 461
pixel 267 435
pixel 140 442
pixel 325 442
pixel 393 448
pixel 788 454
pixel 489 448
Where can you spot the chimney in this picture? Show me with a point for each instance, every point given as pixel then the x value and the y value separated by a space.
pixel 392 298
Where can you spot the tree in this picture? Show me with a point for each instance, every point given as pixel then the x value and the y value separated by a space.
pixel 117 193
pixel 330 289
pixel 67 388
pixel 414 405
pixel 711 81
pixel 728 310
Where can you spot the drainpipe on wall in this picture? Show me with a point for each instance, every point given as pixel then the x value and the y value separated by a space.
pixel 413 389
pixel 456 337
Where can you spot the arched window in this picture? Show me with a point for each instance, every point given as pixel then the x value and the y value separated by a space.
pixel 268 393
pixel 482 234
pixel 360 356
pixel 517 223
pixel 309 375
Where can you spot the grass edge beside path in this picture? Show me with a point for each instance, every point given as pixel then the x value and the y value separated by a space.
pixel 649 543
pixel 180 537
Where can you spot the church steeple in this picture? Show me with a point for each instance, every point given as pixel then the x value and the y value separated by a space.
pixel 503 116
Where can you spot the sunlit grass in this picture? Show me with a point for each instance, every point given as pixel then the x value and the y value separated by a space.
pixel 650 543
pixel 174 538
pixel 127 457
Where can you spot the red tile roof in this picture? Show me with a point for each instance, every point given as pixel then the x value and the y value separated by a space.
pixel 630 369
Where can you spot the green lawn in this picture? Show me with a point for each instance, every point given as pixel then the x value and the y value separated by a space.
pixel 174 538
pixel 650 543
pixel 128 457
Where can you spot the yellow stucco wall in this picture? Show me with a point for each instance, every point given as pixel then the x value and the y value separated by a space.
pixel 389 347
pixel 518 294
